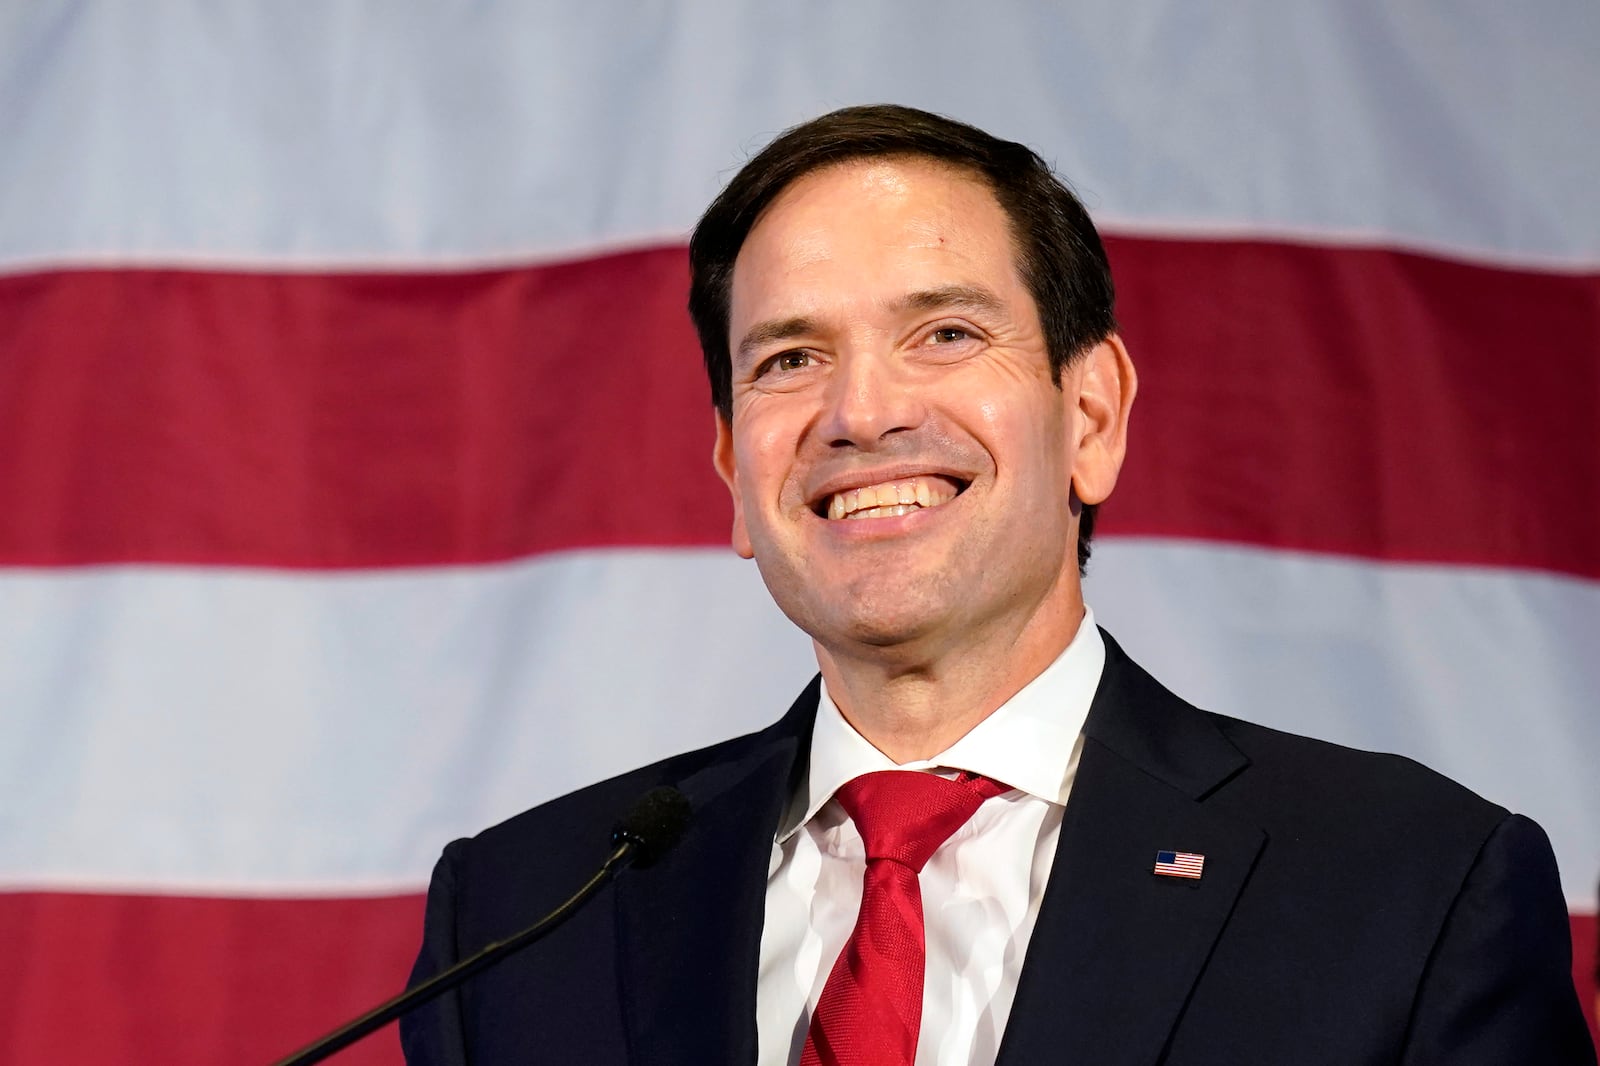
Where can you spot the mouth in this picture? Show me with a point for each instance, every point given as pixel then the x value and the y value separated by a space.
pixel 888 499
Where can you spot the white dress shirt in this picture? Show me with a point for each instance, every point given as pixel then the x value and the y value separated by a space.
pixel 980 891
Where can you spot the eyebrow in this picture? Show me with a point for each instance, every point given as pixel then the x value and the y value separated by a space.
pixel 778 329
pixel 943 298
pixel 950 298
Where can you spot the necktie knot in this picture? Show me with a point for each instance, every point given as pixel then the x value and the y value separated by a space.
pixel 904 816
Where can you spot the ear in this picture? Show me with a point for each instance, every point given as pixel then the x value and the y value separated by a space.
pixel 727 469
pixel 1106 384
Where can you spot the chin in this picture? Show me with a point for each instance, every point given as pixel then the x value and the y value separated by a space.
pixel 876 634
pixel 885 605
pixel 877 629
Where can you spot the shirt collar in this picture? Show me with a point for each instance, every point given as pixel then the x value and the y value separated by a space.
pixel 1031 742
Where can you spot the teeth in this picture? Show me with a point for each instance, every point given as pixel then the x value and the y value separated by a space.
pixel 890 498
pixel 884 512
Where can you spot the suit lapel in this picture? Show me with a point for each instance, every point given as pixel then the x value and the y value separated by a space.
pixel 1117 949
pixel 689 928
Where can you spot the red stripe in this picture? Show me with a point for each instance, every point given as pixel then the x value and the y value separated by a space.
pixel 132 980
pixel 1585 961
pixel 316 421
pixel 1360 402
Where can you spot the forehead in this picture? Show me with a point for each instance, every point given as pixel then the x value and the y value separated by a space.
pixel 875 226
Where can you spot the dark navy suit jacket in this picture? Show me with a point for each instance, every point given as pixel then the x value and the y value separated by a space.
pixel 1355 908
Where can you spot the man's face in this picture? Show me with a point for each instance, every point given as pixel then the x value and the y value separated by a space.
pixel 900 456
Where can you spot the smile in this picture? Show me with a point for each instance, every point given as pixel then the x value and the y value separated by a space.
pixel 891 498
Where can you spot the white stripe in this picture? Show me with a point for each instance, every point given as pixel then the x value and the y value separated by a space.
pixel 1488 677
pixel 349 133
pixel 253 732
pixel 258 732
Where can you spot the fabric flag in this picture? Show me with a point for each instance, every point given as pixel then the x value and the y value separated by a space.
pixel 354 490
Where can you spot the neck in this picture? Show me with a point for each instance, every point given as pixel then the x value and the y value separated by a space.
pixel 913 706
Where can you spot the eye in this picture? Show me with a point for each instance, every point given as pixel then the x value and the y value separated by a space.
pixel 786 362
pixel 949 335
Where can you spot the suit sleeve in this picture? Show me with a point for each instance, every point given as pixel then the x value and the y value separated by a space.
pixel 1498 987
pixel 431 1035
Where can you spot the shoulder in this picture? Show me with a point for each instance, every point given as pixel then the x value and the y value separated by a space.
pixel 1367 825
pixel 1307 779
pixel 574 830
pixel 569 837
pixel 1293 784
pixel 1378 846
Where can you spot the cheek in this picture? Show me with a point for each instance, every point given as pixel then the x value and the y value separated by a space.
pixel 770 438
pixel 1027 439
pixel 765 449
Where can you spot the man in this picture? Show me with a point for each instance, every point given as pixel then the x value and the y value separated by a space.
pixel 920 399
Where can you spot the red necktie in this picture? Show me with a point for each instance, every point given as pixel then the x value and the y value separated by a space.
pixel 870 1011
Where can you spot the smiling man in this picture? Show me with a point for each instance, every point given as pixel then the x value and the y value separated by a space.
pixel 907 461
pixel 983 834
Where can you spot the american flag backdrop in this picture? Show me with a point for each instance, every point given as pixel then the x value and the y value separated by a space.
pixel 354 479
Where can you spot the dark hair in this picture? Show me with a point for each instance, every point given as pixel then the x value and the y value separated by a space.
pixel 1059 253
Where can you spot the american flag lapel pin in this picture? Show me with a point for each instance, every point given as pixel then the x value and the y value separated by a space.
pixel 1179 864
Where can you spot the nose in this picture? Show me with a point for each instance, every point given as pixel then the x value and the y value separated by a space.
pixel 869 398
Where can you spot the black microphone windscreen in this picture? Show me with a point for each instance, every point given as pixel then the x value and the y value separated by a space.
pixel 654 824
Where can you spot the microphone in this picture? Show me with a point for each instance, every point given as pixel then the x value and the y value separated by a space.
pixel 651 827
pixel 653 824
